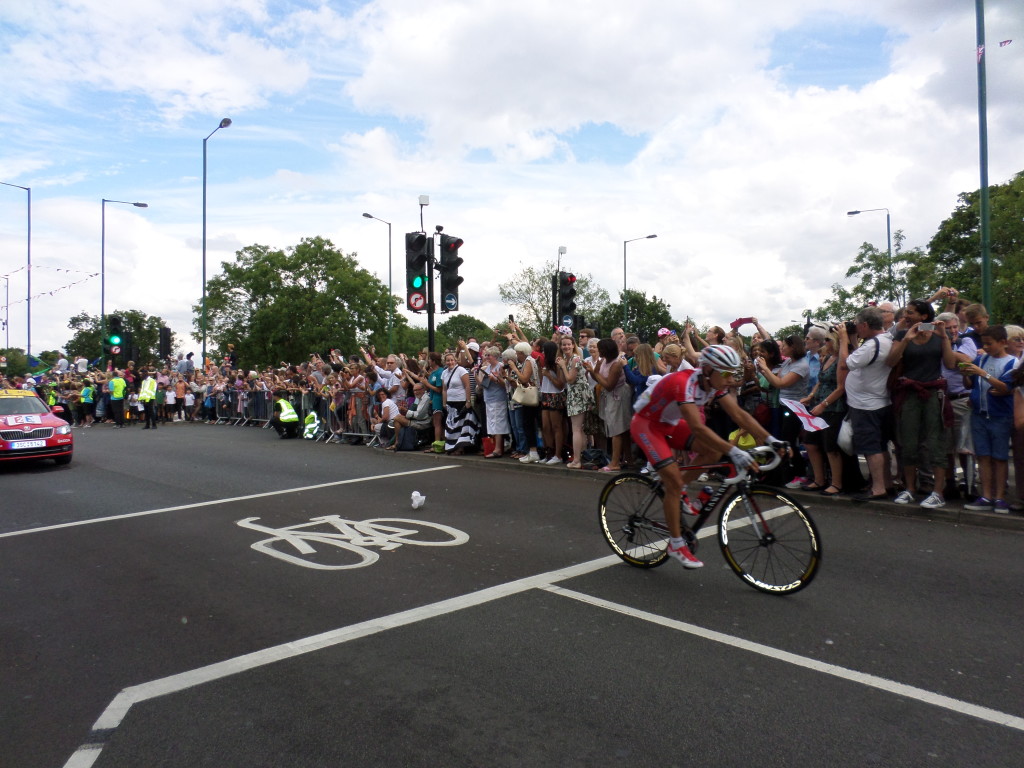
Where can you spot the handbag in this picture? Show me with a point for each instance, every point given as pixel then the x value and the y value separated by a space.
pixel 527 396
pixel 845 437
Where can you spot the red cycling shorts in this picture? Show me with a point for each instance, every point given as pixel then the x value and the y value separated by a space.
pixel 657 439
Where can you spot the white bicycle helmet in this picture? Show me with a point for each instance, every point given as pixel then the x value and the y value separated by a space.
pixel 721 358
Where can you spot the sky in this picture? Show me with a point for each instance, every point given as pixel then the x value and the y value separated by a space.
pixel 739 132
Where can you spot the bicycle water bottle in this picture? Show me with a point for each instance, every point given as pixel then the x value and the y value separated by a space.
pixel 703 496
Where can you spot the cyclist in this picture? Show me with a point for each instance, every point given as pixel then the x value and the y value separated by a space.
pixel 668 417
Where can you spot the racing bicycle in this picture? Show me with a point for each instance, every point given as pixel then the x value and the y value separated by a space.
pixel 765 535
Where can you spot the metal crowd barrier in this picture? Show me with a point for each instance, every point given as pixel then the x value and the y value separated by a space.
pixel 343 416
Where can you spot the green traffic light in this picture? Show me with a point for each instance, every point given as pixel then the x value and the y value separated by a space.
pixel 115 339
pixel 418 282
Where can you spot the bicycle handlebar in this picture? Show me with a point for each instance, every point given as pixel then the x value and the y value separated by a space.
pixel 769 453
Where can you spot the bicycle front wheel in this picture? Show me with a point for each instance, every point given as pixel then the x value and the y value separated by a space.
pixel 633 519
pixel 769 540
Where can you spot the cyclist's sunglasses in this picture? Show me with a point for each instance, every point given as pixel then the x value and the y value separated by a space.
pixel 732 374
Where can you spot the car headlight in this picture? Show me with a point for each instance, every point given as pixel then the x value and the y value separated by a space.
pixel 65 430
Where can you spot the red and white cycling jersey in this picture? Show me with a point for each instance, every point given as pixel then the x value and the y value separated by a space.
pixel 662 402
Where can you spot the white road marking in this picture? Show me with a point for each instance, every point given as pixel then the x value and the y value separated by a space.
pixel 872 681
pixel 115 712
pixel 214 502
pixel 87 754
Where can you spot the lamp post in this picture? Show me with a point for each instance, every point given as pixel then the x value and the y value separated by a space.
pixel 7 312
pixel 103 264
pixel 28 291
pixel 391 303
pixel 888 239
pixel 223 124
pixel 624 242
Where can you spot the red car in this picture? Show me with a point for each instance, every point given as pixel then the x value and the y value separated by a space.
pixel 28 429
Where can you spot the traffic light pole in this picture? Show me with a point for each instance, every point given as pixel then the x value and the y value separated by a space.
pixel 430 292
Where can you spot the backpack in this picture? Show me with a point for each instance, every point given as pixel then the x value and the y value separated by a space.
pixel 593 458
pixel 406 440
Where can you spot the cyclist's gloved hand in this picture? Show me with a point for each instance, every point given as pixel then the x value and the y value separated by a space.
pixel 779 446
pixel 741 459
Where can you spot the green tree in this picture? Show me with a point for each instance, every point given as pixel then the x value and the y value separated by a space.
pixel 17 362
pixel 461 327
pixel 529 293
pixel 877 280
pixel 279 305
pixel 88 334
pixel 954 252
pixel 643 316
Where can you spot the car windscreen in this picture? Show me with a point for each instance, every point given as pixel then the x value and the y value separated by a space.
pixel 12 406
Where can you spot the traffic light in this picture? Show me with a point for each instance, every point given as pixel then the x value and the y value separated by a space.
pixel 566 298
pixel 165 342
pixel 448 266
pixel 115 332
pixel 131 352
pixel 417 250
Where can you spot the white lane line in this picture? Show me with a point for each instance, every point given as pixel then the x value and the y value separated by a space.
pixel 214 502
pixel 116 711
pixel 889 686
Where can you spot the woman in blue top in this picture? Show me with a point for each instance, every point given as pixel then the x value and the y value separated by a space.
pixel 433 382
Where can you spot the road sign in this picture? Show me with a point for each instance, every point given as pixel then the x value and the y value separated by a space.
pixel 417 301
pixel 567 320
pixel 3 362
pixel 451 302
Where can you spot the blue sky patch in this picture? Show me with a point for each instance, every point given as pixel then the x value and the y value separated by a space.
pixel 831 52
pixel 603 142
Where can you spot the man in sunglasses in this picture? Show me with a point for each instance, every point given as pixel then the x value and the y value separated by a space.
pixel 668 419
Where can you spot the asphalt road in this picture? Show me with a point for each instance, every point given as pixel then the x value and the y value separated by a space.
pixel 139 626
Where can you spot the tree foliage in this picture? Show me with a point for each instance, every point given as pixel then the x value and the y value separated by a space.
pixel 461 327
pixel 643 316
pixel 17 362
pixel 283 305
pixel 876 280
pixel 529 293
pixel 954 252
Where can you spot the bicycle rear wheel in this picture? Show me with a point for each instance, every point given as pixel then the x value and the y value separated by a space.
pixel 769 540
pixel 633 519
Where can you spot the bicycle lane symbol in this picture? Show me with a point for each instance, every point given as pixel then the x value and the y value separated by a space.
pixel 331 543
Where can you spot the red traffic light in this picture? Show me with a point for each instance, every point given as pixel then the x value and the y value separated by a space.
pixel 570 278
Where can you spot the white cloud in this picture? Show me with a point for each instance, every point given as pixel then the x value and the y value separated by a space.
pixel 745 179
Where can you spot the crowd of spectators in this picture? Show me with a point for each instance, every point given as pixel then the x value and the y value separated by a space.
pixel 927 399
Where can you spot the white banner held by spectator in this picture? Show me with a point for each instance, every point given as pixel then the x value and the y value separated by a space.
pixel 811 423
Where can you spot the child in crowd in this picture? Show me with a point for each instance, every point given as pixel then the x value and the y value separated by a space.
pixel 170 403
pixel 160 403
pixel 991 417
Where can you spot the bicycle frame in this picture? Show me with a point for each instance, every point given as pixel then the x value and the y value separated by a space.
pixel 732 479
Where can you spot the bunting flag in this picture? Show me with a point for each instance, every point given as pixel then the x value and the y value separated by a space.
pixel 981 52
pixel 55 290
pixel 54 269
pixel 1005 43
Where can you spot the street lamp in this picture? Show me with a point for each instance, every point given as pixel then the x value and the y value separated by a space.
pixel 645 237
pixel 888 238
pixel 223 124
pixel 7 311
pixel 391 303
pixel 103 263
pixel 28 292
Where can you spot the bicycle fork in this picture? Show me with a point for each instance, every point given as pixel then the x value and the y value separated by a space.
pixel 756 520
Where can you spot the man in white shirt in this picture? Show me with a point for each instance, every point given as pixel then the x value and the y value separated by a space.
pixel 388 411
pixel 867 396
pixel 888 310
pixel 414 419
